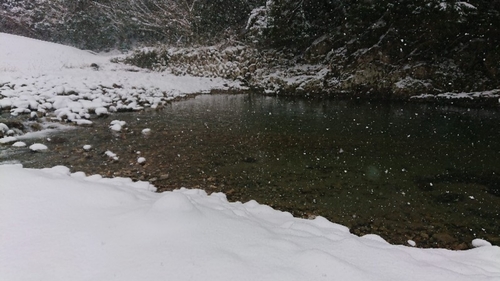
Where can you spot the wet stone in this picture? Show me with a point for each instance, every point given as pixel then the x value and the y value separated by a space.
pixel 461 246
pixel 444 238
pixel 424 235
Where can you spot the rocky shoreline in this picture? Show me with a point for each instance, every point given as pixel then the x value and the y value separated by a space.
pixel 311 73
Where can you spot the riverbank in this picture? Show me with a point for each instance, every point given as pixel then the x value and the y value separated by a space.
pixel 284 72
pixel 42 79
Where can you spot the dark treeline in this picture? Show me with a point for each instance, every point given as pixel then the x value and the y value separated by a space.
pixel 429 25
pixel 102 24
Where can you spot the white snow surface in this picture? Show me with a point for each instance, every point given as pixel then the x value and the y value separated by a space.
pixel 19 144
pixel 62 226
pixel 6 140
pixel 38 147
pixel 38 76
pixel 117 125
pixel 480 243
pixel 463 95
pixel 111 155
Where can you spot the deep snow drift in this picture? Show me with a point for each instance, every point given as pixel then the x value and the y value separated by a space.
pixel 55 225
pixel 61 226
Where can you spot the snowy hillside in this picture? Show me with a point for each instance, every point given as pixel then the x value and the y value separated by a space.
pixel 57 225
pixel 20 54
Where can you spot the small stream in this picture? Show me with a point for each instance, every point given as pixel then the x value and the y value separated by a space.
pixel 404 171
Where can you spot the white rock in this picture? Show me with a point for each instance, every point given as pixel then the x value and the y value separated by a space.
pixel 111 155
pixel 19 144
pixel 476 243
pixel 141 160
pixel 116 125
pixel 82 122
pixel 101 111
pixel 3 128
pixel 146 131
pixel 412 243
pixel 87 147
pixel 121 123
pixel 38 147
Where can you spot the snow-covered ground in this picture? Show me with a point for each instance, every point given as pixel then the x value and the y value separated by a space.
pixel 469 95
pixel 61 226
pixel 57 225
pixel 39 77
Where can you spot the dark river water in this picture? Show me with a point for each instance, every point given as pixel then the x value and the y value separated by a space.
pixel 404 171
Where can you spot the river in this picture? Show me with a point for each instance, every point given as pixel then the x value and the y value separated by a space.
pixel 417 172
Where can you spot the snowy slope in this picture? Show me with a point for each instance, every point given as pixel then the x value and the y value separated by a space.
pixel 42 78
pixel 61 226
pixel 19 53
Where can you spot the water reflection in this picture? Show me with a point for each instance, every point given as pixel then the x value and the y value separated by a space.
pixel 417 172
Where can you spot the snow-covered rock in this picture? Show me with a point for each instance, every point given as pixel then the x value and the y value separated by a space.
pixel 19 144
pixel 476 243
pixel 38 147
pixel 117 125
pixel 3 129
pixel 111 155
pixel 8 140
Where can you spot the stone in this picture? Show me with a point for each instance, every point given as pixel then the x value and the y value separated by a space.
pixel 424 235
pixel 461 246
pixel 443 238
pixel 252 68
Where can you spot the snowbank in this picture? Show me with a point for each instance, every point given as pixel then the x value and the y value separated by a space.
pixel 61 226
pixel 41 78
pixel 21 54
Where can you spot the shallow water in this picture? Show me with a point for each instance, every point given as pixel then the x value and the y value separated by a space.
pixel 419 172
